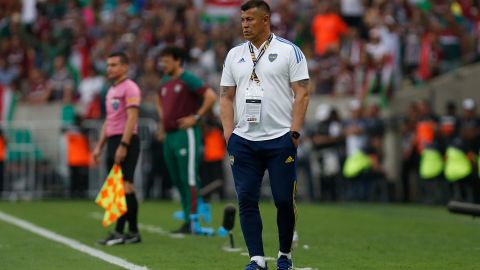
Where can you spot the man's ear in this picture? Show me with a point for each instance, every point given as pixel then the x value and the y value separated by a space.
pixel 266 18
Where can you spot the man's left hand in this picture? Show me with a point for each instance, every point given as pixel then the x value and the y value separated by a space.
pixel 186 122
pixel 120 154
pixel 295 142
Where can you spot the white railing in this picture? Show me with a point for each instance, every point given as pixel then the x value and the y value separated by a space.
pixel 36 160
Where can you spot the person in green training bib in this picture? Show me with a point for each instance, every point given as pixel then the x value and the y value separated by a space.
pixel 182 101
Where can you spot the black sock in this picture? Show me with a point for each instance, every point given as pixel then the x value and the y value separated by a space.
pixel 132 214
pixel 121 223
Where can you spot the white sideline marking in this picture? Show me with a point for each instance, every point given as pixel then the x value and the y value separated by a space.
pixel 229 249
pixel 69 242
pixel 159 230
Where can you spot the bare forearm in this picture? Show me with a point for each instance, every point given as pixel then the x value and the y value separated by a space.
pixel 226 115
pixel 226 108
pixel 158 105
pixel 103 137
pixel 132 119
pixel 301 89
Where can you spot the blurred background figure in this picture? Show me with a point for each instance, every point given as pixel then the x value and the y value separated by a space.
pixel 211 165
pixel 328 141
pixel 470 138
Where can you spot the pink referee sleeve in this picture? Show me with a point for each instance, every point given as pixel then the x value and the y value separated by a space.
pixel 132 96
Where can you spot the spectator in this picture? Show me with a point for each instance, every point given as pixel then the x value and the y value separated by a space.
pixel 426 128
pixel 352 13
pixel 149 79
pixel 470 136
pixel 449 125
pixel 344 83
pixel 37 87
pixel 211 165
pixel 19 56
pixel 328 142
pixel 354 53
pixel 327 28
pixel 356 138
pixel 89 90
pixel 8 73
pixel 60 84
pixel 410 157
pixel 375 129
pixel 380 67
pixel 327 70
pixel 428 65
pixel 432 185
pixel 412 44
pixel 158 168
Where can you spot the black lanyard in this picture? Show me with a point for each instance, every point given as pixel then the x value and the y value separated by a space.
pixel 255 60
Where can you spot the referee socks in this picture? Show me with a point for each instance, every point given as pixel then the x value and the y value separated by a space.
pixel 132 212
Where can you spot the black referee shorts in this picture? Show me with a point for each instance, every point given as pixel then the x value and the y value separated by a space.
pixel 130 162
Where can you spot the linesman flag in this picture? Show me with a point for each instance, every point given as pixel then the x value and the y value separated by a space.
pixel 112 196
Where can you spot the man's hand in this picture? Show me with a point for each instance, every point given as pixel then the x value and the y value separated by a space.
pixel 120 154
pixel 97 152
pixel 227 134
pixel 295 142
pixel 160 133
pixel 186 122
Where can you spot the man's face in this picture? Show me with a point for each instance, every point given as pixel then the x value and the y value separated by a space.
pixel 169 64
pixel 59 63
pixel 253 23
pixel 115 68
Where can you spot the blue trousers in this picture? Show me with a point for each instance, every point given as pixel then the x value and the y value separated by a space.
pixel 249 160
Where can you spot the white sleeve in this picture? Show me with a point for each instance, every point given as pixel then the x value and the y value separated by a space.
pixel 298 65
pixel 227 75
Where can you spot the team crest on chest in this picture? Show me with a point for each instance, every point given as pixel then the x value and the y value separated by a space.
pixel 177 88
pixel 272 57
pixel 115 104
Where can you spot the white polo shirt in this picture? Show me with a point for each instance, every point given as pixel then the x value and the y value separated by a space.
pixel 282 63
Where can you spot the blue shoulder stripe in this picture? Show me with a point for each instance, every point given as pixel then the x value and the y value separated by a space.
pixel 298 52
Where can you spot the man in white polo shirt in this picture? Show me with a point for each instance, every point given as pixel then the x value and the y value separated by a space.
pixel 264 97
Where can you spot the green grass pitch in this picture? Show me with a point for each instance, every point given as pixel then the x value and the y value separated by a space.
pixel 332 236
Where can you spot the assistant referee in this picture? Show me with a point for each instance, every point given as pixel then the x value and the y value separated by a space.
pixel 119 131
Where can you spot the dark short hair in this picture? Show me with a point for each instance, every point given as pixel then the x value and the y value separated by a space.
pixel 176 53
pixel 123 57
pixel 260 4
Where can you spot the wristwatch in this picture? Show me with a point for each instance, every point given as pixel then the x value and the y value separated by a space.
pixel 295 134
pixel 124 144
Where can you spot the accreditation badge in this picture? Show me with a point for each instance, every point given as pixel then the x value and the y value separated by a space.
pixel 253 103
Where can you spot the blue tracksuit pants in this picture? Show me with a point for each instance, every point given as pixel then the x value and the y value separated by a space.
pixel 249 160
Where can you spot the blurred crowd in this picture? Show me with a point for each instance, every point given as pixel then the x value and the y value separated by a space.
pixel 54 50
pixel 439 154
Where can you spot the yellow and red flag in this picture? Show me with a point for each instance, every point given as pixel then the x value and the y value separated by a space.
pixel 112 196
